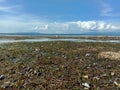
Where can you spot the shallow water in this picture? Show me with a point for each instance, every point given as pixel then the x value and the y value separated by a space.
pixel 49 39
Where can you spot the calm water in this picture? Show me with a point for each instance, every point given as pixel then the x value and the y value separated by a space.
pixel 48 39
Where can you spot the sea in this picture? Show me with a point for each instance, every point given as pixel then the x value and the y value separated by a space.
pixel 46 39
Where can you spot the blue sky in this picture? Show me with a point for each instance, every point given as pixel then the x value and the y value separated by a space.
pixel 59 16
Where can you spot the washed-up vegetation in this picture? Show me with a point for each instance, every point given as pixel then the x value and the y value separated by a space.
pixel 59 66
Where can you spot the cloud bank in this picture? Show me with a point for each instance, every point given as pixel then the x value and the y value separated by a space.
pixel 35 25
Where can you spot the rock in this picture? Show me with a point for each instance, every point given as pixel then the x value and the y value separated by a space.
pixel 76 57
pixel 110 55
pixel 6 85
pixel 31 70
pixel 2 77
pixel 15 60
pixel 112 73
pixel 85 76
pixel 104 75
pixel 117 84
pixel 96 78
pixel 86 85
pixel 94 64
pixel 23 72
pixel 37 73
pixel 87 54
pixel 28 68
pixel 36 49
pixel 64 56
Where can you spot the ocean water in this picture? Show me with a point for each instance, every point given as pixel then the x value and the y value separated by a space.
pixel 58 35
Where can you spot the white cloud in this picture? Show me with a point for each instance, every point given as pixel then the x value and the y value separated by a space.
pixel 107 9
pixel 8 9
pixel 31 24
pixel 77 27
pixel 41 27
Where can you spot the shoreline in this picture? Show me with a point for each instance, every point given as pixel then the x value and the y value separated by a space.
pixel 17 37
pixel 63 65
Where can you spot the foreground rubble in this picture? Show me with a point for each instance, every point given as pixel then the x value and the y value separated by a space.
pixel 59 66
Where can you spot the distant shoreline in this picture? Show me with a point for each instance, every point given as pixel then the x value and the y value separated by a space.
pixel 22 37
pixel 111 34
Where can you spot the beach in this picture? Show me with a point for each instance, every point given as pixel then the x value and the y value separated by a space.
pixel 60 65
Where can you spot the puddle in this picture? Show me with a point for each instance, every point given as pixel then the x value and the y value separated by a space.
pixel 49 39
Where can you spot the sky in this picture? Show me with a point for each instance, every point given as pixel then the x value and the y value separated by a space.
pixel 59 16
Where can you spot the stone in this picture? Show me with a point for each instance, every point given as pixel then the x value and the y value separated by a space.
pixel 87 54
pixel 86 85
pixel 117 84
pixel 112 73
pixel 38 73
pixel 85 76
pixel 2 77
pixel 6 85
pixel 96 78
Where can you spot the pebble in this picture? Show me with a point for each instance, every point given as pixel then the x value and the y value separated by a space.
pixel 23 72
pixel 96 78
pixel 104 75
pixel 38 73
pixel 31 70
pixel 85 76
pixel 35 72
pixel 87 54
pixel 76 57
pixel 86 85
pixel 117 84
pixel 6 85
pixel 2 77
pixel 64 56
pixel 112 73
pixel 36 49
pixel 94 64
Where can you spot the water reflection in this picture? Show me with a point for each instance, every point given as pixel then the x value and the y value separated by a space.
pixel 49 39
